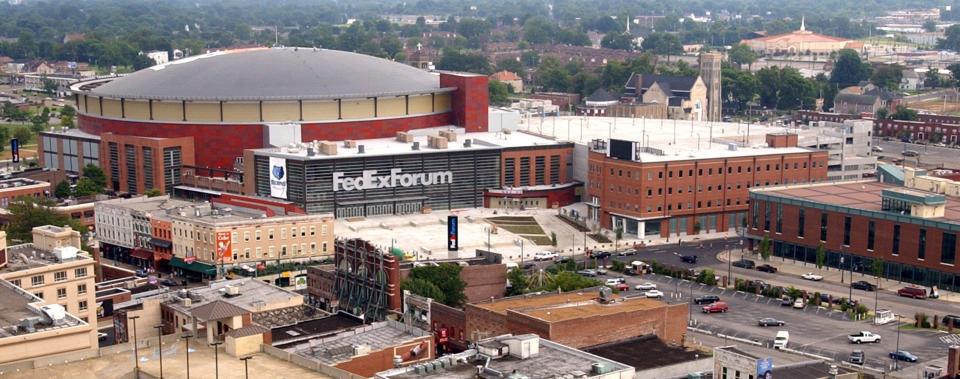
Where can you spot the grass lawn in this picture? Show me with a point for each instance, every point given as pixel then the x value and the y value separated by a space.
pixel 513 220
pixel 540 240
pixel 522 225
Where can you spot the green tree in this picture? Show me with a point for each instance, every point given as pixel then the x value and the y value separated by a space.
pixel 50 86
pixel 765 248
pixel 68 110
pixel 446 277
pixel 876 267
pixel 849 69
pixel 530 58
pixel 821 256
pixel 663 44
pixel 739 87
pixel 23 135
pixel 538 30
pixel 552 76
pixel 905 114
pixel 455 60
pixel 391 45
pixel 951 40
pixel 513 66
pixel 4 137
pixel 619 41
pixel 887 76
pixel 62 190
pixel 95 174
pixel 423 288
pixel 518 282
pixel 618 235
pixel 567 281
pixel 882 114
pixel 499 92
pixel 153 192
pixel 741 54
pixel 474 30
pixel 86 187
pixel 553 239
pixel 954 70
pixel 708 277
pixel 141 62
pixel 929 26
pixel 28 213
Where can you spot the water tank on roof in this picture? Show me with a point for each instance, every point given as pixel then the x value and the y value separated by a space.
pixel 65 252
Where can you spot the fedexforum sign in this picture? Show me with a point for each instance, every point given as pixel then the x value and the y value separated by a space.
pixel 396 178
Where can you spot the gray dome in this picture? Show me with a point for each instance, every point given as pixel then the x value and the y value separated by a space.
pixel 271 74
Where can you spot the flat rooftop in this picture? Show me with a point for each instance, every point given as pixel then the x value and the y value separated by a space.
pixel 339 347
pixel 147 204
pixel 862 195
pixel 28 256
pixel 254 295
pixel 656 353
pixel 71 132
pixel 678 139
pixel 391 147
pixel 553 360
pixel 21 183
pixel 17 304
pixel 554 307
pixel 314 328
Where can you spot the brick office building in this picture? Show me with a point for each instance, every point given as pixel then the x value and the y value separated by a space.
pixel 671 191
pixel 576 319
pixel 229 101
pixel 914 232
pixel 927 127
pixel 11 189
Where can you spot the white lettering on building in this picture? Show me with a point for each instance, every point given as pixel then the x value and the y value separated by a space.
pixel 370 180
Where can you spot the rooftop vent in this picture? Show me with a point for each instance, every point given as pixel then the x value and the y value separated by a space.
pixel 349 143
pixel 467 142
pixel 65 252
pixel 360 149
pixel 415 146
pixel 232 291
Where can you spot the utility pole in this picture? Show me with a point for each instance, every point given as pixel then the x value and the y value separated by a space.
pixel 136 351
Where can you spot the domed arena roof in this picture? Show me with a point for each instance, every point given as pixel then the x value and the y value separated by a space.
pixel 271 74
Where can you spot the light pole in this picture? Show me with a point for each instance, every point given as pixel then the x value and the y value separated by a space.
pixel 186 337
pixel 159 329
pixel 246 372
pixel 216 361
pixel 896 361
pixel 136 352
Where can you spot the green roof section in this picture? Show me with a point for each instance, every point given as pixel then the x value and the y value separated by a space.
pixel 890 174
pixel 914 197
pixel 197 267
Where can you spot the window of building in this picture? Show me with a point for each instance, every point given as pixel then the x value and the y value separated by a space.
pixel 766 217
pixel 81 289
pixel 303 231
pixel 323 230
pixel 779 218
pixel 82 305
pixel 324 247
pixel 922 244
pixel 895 249
pixel 270 234
pixel 80 272
pixel 36 280
pixel 283 251
pixel 39 295
pixel 948 248
pixel 59 276
pixel 15 282
pixel 754 215
pixel 871 233
pixel 246 236
pixel 823 227
pixel 246 253
pixel 259 253
pixel 257 235
pixel 801 221
pixel 313 230
pixel 61 293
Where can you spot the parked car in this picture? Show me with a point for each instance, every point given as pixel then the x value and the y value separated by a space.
pixel 545 256
pixel 601 270
pixel 781 339
pixel 863 337
pixel 857 357
pixel 601 254
pixel 767 268
pixel 653 294
pixel 529 266
pixel 876 149
pixel 169 282
pixel 626 252
pixel 691 259
pixel 770 321
pixel 903 355
pixel 645 286
pixel 612 282
pixel 812 276
pixel 587 272
pixel 744 263
pixel 799 304
pixel 101 336
pixel 715 307
pixel 622 287
pixel 910 153
pixel 786 302
pixel 141 273
pixel 863 285
pixel 951 321
pixel 706 299
pixel 914 292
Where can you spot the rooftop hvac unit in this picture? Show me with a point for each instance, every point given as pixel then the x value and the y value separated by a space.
pixel 599 369
pixel 467 142
pixel 360 149
pixel 232 291
pixel 311 152
pixel 416 146
pixel 732 147
pixel 53 314
pixel 187 302
pixel 65 252
pixel 362 349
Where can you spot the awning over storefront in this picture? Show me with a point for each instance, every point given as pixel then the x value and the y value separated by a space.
pixel 142 254
pixel 197 267
pixel 161 243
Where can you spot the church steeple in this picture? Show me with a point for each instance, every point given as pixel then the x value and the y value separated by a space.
pixel 803 24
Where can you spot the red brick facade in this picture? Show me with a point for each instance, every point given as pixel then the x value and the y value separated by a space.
pixel 381 360
pixel 119 181
pixel 470 101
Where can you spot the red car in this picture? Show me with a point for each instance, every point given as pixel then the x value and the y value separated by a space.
pixel 719 306
pixel 623 287
pixel 914 292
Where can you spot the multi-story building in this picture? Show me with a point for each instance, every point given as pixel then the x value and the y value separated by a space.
pixel 209 234
pixel 123 234
pixel 69 150
pixel 669 190
pixel 849 145
pixel 32 328
pixel 53 269
pixel 912 232
pixel 10 189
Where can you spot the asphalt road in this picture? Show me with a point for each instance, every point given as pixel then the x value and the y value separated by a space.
pixel 931 156
pixel 812 330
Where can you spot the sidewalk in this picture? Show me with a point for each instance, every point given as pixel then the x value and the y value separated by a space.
pixel 830 275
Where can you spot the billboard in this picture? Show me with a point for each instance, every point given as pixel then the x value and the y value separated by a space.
pixel 15 150
pixel 278 177
pixel 224 247
pixel 765 368
pixel 453 239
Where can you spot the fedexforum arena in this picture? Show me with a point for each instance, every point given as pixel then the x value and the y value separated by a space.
pixel 331 131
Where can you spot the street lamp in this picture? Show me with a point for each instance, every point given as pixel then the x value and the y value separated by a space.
pixel 216 362
pixel 136 352
pixel 186 337
pixel 246 372
pixel 896 361
pixel 159 329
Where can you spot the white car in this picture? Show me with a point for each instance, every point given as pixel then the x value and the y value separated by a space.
pixel 545 256
pixel 101 336
pixel 645 286
pixel 612 282
pixel 799 304
pixel 812 276
pixel 653 294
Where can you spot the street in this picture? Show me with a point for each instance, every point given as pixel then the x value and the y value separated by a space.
pixel 932 156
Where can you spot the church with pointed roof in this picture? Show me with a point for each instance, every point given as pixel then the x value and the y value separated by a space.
pixel 801 41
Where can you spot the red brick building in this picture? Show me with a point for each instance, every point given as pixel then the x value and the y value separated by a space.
pixel 652 191
pixel 10 189
pixel 927 127
pixel 913 232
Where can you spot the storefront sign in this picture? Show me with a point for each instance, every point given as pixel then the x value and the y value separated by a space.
pixel 278 177
pixel 396 178
pixel 224 247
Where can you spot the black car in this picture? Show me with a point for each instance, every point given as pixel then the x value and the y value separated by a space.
pixel 691 259
pixel 169 282
pixel 744 263
pixel 706 299
pixel 601 254
pixel 863 285
pixel 951 321
pixel 767 268
pixel 770 321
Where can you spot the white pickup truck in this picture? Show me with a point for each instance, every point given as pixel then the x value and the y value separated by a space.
pixel 864 337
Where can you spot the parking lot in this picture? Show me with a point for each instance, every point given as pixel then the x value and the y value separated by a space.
pixel 813 330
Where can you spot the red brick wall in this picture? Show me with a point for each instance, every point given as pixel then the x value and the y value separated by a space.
pixel 157 145
pixel 482 323
pixel 454 319
pixel 667 322
pixel 381 360
pixel 484 281
pixel 378 128
pixel 565 153
pixel 470 101
pixel 10 194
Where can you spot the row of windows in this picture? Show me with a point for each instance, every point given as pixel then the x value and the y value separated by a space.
pixel 635 174
pixel 258 235
pixel 258 253
pixel 680 206
pixel 59 276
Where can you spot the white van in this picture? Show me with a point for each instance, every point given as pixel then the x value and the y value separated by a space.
pixel 511 266
pixel 780 341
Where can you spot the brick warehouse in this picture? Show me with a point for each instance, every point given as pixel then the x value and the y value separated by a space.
pixel 927 127
pixel 660 192
pixel 235 100
pixel 914 232
pixel 577 319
